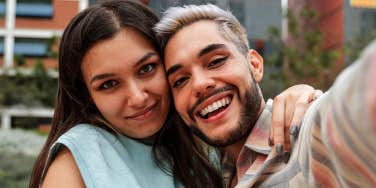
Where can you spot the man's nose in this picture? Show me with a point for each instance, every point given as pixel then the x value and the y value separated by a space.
pixel 202 83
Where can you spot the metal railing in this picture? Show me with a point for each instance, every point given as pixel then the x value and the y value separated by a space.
pixel 8 113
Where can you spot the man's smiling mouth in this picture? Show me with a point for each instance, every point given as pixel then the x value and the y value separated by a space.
pixel 215 107
pixel 212 103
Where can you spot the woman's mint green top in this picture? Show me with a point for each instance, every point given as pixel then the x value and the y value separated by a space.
pixel 108 160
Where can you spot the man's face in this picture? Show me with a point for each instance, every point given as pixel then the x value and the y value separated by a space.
pixel 212 84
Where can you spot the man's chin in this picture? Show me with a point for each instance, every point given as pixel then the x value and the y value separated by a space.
pixel 231 137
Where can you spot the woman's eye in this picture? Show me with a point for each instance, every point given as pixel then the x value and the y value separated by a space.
pixel 147 68
pixel 108 85
pixel 217 62
pixel 179 82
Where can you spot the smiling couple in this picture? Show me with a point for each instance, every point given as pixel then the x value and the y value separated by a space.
pixel 115 125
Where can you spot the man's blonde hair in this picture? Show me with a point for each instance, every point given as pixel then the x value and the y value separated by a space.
pixel 176 18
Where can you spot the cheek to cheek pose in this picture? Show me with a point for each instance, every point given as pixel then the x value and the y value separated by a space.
pixel 115 124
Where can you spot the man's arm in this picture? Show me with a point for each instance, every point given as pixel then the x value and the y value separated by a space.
pixel 339 143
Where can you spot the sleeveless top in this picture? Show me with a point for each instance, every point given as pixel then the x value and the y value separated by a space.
pixel 111 160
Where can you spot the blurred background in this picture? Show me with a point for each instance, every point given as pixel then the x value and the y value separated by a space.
pixel 302 41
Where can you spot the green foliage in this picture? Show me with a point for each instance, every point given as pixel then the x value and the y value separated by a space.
pixel 51 52
pixel 355 46
pixel 37 89
pixel 19 60
pixel 15 169
pixel 300 59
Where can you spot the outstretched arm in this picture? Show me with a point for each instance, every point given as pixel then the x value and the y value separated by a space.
pixel 339 141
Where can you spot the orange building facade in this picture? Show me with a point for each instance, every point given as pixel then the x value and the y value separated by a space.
pixel 29 30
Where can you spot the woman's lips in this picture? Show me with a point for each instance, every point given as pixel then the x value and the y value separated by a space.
pixel 144 114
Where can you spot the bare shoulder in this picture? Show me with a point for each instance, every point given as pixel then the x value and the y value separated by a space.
pixel 63 172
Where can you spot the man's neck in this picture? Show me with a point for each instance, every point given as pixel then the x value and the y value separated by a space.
pixel 233 150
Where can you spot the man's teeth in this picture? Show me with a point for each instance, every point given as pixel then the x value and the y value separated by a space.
pixel 215 106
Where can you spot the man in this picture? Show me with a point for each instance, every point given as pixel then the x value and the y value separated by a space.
pixel 214 81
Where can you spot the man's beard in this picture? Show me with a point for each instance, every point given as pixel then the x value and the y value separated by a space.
pixel 248 117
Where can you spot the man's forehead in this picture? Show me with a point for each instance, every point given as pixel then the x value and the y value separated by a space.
pixel 191 39
pixel 195 34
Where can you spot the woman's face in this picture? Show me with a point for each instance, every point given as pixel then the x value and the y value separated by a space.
pixel 126 81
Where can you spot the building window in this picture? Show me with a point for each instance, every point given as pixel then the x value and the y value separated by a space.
pixel 34 8
pixel 92 2
pixel 368 22
pixel 1 46
pixel 31 47
pixel 237 8
pixel 2 8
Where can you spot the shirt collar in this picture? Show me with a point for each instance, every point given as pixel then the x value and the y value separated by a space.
pixel 258 138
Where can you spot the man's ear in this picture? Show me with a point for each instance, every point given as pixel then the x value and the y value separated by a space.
pixel 257 65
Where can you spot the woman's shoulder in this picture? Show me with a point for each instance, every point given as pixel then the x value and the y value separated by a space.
pixel 105 159
pixel 63 171
pixel 86 140
pixel 94 151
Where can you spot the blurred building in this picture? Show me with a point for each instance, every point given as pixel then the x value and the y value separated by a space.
pixel 257 16
pixel 29 29
pixel 360 16
pixel 340 20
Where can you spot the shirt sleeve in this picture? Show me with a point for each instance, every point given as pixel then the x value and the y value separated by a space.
pixel 338 147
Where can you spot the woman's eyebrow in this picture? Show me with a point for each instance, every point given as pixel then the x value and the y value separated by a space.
pixel 101 76
pixel 145 58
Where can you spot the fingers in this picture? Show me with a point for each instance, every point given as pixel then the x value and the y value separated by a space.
pixel 316 95
pixel 301 106
pixel 287 113
pixel 277 129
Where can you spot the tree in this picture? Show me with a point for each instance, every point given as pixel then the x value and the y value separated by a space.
pixel 301 59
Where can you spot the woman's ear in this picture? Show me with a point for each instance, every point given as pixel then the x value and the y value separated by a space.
pixel 257 64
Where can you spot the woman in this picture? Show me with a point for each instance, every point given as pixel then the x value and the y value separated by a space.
pixel 111 77
pixel 113 103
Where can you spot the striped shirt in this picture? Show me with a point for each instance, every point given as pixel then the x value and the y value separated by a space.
pixel 336 146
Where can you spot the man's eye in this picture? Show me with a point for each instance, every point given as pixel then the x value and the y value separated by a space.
pixel 108 85
pixel 179 82
pixel 147 68
pixel 217 62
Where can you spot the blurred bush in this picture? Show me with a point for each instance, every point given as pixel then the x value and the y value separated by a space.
pixel 18 151
pixel 36 89
pixel 15 169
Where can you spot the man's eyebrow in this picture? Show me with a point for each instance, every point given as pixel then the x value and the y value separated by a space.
pixel 145 58
pixel 101 76
pixel 210 48
pixel 173 69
